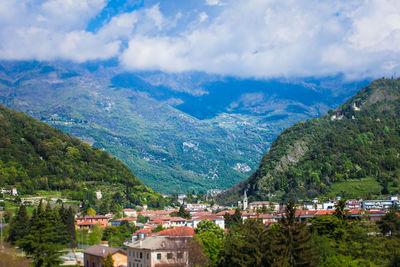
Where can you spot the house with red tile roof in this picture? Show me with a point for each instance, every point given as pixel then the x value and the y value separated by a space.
pixel 85 222
pixel 95 255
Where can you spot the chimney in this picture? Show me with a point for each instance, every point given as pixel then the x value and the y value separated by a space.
pixel 104 251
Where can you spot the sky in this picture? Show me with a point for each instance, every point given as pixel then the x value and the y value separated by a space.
pixel 249 38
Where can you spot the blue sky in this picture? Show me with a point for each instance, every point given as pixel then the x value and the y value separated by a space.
pixel 249 38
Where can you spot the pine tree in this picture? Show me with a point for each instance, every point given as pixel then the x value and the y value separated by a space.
pixel 108 261
pixel 228 220
pixel 291 244
pixel 43 242
pixel 237 218
pixel 69 222
pixel 19 226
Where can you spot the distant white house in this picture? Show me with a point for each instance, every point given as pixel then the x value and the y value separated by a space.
pixel 9 191
pixel 130 212
pixel 218 220
pixel 267 204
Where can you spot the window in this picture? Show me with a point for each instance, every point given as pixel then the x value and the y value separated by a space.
pixel 141 255
pixel 180 255
pixel 158 256
pixel 147 255
pixel 129 251
pixel 130 264
pixel 169 256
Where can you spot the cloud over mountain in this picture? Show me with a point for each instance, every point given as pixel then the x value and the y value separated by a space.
pixel 250 38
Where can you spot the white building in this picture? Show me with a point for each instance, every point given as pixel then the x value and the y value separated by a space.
pixel 218 220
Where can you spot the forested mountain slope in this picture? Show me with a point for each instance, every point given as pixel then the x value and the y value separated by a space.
pixel 353 152
pixel 35 156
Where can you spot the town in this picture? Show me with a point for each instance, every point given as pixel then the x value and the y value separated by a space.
pixel 161 237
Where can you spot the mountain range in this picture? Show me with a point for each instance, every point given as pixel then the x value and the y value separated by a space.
pixel 176 132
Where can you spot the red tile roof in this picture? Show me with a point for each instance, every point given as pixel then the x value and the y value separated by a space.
pixel 231 212
pixel 124 219
pixel 325 212
pixel 177 231
pixel 201 213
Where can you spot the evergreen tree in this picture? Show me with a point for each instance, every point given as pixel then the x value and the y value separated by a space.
pixel 248 246
pixel 182 213
pixel 19 226
pixel 228 220
pixel 291 244
pixel 69 222
pixel 390 224
pixel 108 261
pixel 104 207
pixel 237 217
pixel 339 211
pixel 43 242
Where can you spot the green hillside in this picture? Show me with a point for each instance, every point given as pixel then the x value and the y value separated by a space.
pixel 352 152
pixel 35 156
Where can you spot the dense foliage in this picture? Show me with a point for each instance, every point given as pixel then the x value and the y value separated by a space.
pixel 35 156
pixel 44 234
pixel 352 152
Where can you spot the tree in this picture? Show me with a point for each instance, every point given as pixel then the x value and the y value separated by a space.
pixel 183 213
pixel 158 228
pixel 19 226
pixel 339 211
pixel 246 246
pixel 108 261
pixel 43 241
pixel 211 237
pixel 90 211
pixel 209 226
pixel 95 235
pixel 69 224
pixel 290 244
pixel 237 218
pixel 390 224
pixel 228 220
pixel 197 257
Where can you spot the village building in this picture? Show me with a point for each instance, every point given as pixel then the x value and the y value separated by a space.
pixel 381 204
pixel 218 220
pixel 94 256
pixel 9 191
pixel 130 212
pixel 85 222
pixel 273 206
pixel 165 248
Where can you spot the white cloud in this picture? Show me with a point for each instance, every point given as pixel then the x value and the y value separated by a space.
pixel 284 38
pixel 213 2
pixel 243 37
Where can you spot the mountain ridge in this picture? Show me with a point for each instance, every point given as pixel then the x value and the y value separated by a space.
pixel 359 140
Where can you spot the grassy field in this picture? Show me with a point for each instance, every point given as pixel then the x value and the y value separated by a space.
pixel 364 188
